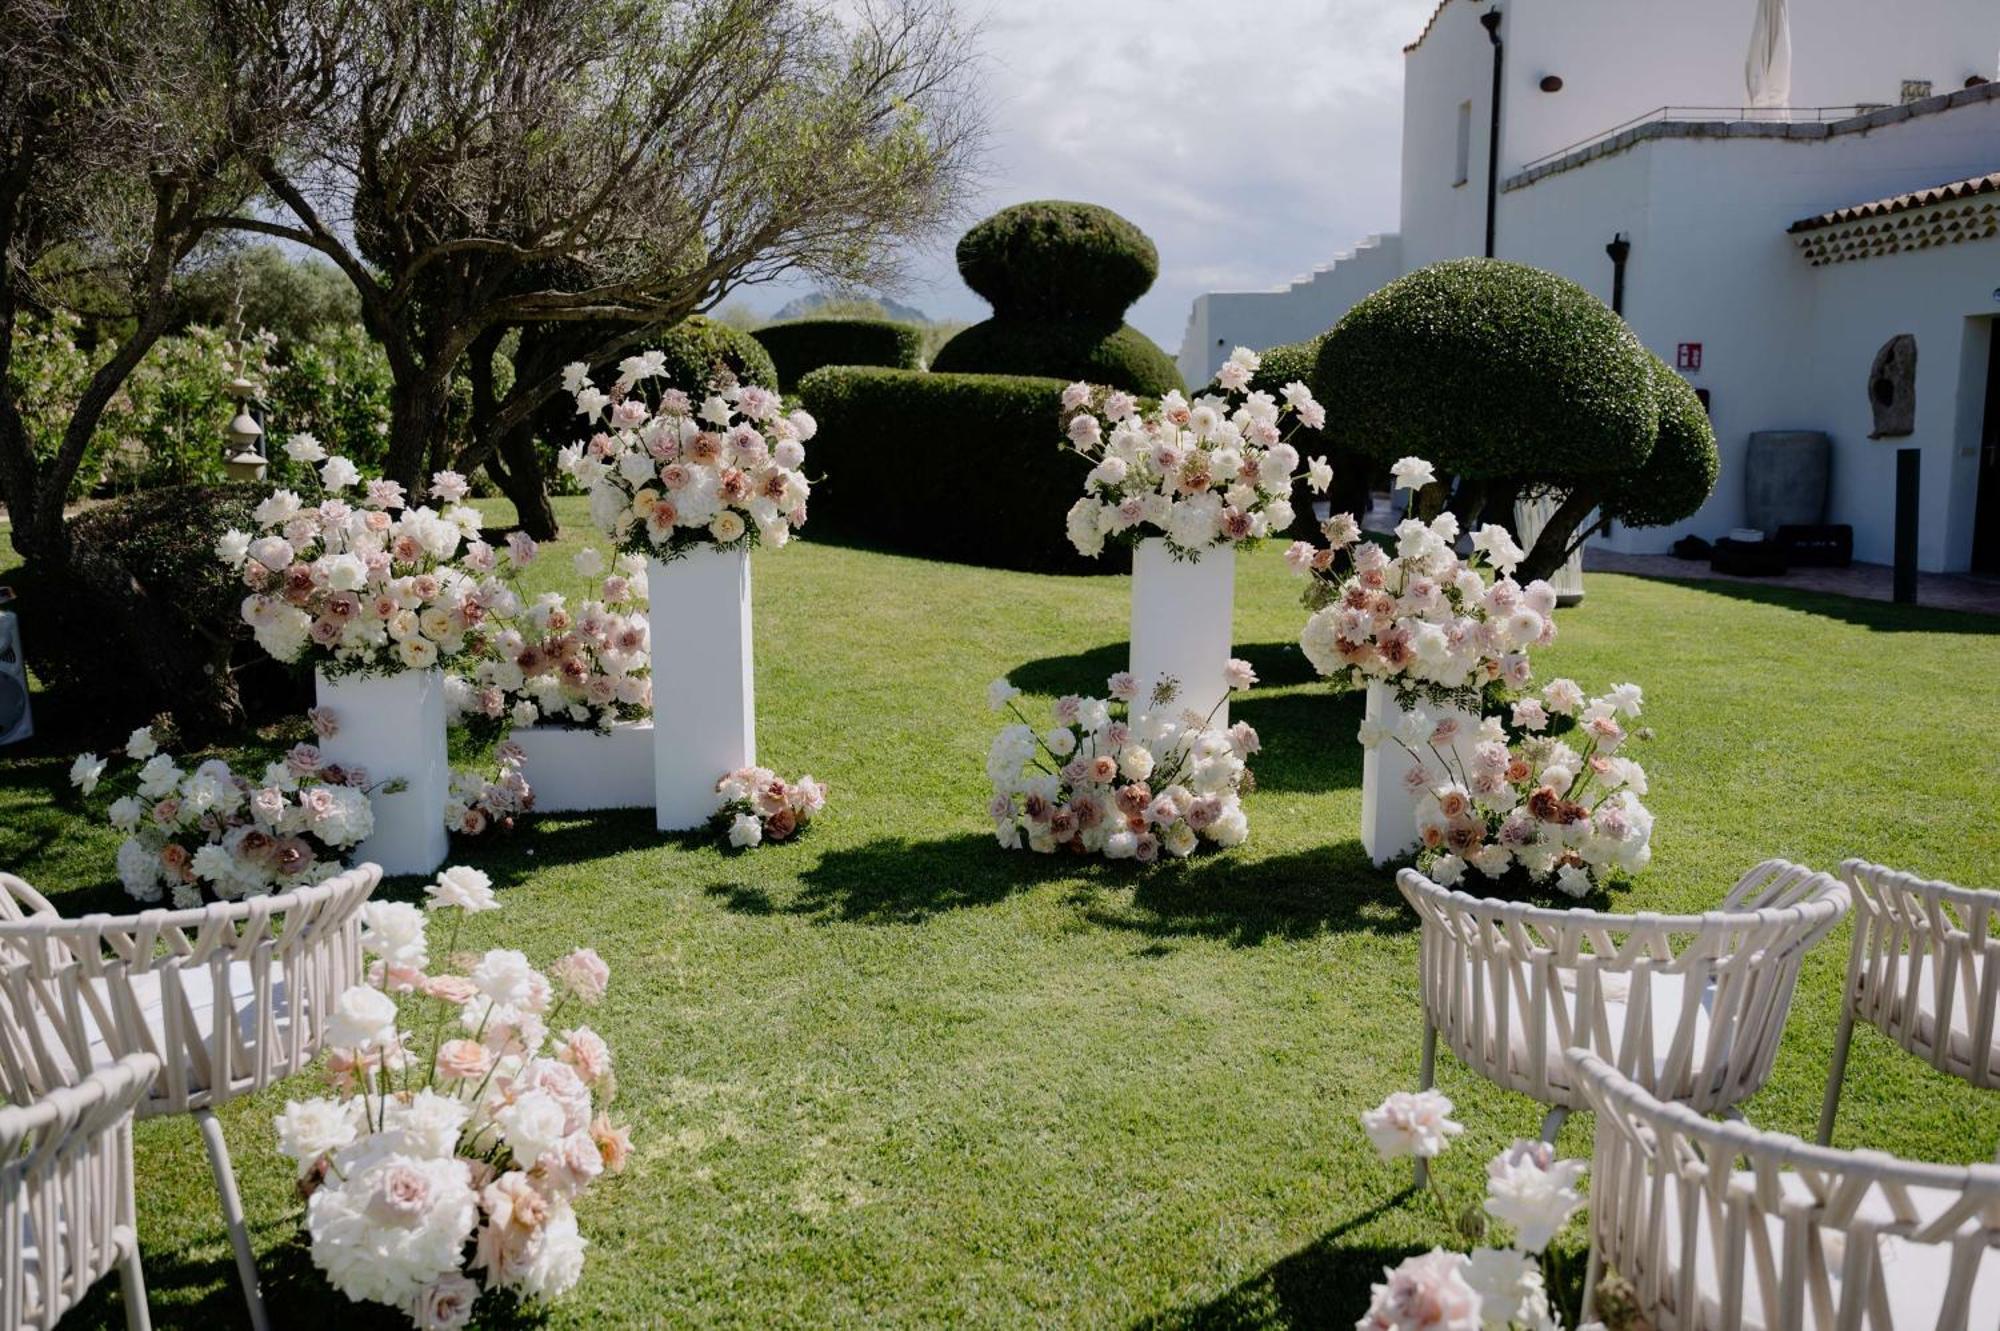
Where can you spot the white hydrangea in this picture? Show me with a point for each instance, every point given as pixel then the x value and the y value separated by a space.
pixel 385 1226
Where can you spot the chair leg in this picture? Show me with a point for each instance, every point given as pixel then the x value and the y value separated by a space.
pixel 232 1214
pixel 1587 1310
pixel 1836 1074
pixel 1552 1123
pixel 132 1281
pixel 1426 1078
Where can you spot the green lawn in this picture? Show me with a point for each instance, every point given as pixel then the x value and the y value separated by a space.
pixel 893 1076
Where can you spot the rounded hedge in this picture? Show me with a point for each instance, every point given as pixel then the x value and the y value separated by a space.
pixel 1679 475
pixel 998 467
pixel 1112 354
pixel 800 346
pixel 1058 260
pixel 1488 368
pixel 697 345
pixel 145 619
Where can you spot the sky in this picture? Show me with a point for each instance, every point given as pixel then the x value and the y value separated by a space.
pixel 1251 139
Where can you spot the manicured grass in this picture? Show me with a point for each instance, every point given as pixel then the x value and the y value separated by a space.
pixel 893 1076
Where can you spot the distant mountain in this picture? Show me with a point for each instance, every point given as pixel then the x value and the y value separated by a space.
pixel 800 307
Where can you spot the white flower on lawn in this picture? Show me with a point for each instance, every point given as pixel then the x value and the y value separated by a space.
pixel 1415 1123
pixel 999 693
pixel 1573 880
pixel 394 931
pixel 427 1124
pixel 1511 1291
pixel 1528 1188
pixel 159 777
pixel 466 888
pixel 141 745
pixel 363 1018
pixel 533 1125
pixel 1427 1292
pixel 304 448
pixel 745 830
pixel 85 771
pixel 386 1227
pixel 337 473
pixel 309 1129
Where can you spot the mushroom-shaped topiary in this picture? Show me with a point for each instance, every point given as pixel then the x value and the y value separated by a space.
pixel 1502 375
pixel 1060 277
pixel 1294 362
pixel 1679 474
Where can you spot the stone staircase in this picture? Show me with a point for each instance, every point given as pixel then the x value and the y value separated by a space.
pixel 1301 309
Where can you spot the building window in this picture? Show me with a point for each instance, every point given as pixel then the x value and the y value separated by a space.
pixel 1462 171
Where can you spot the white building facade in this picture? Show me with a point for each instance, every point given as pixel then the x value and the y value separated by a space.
pixel 1770 252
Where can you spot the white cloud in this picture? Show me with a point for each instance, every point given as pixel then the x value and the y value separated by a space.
pixel 1250 139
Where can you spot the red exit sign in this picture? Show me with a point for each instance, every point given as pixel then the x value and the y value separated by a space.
pixel 1687 356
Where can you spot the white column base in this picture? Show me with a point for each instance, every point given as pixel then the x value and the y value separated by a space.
pixel 1530 516
pixel 1388 807
pixel 572 769
pixel 392 726
pixel 1183 616
pixel 704 692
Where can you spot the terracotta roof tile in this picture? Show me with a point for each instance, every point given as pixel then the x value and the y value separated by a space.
pixel 1901 203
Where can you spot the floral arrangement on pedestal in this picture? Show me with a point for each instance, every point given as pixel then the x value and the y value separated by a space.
pixel 464 1123
pixel 755 805
pixel 1538 804
pixel 1490 1288
pixel 1422 619
pixel 1210 473
pixel 558 664
pixel 480 801
pixel 213 835
pixel 1103 779
pixel 675 473
pixel 362 585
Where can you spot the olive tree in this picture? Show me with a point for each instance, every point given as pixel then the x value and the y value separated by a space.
pixel 593 171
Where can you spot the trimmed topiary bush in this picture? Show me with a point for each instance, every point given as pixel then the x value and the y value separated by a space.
pixel 800 346
pixel 696 345
pixel 1679 475
pixel 990 487
pixel 1060 277
pixel 145 619
pixel 1489 369
pixel 1056 260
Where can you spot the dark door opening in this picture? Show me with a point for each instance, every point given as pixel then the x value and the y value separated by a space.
pixel 1986 516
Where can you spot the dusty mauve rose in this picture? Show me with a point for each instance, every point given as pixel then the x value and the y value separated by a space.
pixel 613 1143
pixel 453 989
pixel 463 1060
pixel 780 825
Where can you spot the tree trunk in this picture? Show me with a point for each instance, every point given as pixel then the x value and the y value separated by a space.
pixel 1552 545
pixel 417 407
pixel 521 479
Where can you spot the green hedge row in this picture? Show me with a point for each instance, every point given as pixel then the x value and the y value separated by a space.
pixel 985 479
pixel 800 346
pixel 1114 355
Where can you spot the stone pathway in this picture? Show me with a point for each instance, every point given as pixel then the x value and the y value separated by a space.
pixel 1868 582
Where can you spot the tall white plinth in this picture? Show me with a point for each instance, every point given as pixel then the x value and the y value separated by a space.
pixel 1183 612
pixel 574 768
pixel 1388 802
pixel 704 697
pixel 392 726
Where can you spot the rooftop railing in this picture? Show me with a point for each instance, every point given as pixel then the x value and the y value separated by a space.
pixel 1777 115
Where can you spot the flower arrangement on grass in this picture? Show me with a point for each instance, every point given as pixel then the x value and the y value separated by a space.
pixel 478 802
pixel 755 805
pixel 462 1127
pixel 1421 618
pixel 1215 472
pixel 1106 780
pixel 362 585
pixel 553 663
pixel 1553 809
pixel 672 474
pixel 1490 1288
pixel 213 835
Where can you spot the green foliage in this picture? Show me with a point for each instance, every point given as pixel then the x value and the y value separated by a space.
pixel 1058 260
pixel 1679 474
pixel 145 618
pixel 263 287
pixel 46 375
pixel 697 346
pixel 803 345
pixel 1488 368
pixel 984 480
pixel 1115 355
pixel 1293 362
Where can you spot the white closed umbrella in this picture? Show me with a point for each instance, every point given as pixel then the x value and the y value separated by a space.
pixel 1767 71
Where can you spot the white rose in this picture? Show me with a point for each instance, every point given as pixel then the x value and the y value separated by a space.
pixel 745 831
pixel 364 1017
pixel 309 1129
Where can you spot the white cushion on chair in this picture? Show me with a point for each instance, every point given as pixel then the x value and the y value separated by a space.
pixel 1915 1274
pixel 1926 1015
pixel 197 986
pixel 1667 989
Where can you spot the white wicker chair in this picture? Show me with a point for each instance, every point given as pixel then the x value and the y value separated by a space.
pixel 80 994
pixel 1719 1226
pixel 1690 1006
pixel 1920 948
pixel 66 1197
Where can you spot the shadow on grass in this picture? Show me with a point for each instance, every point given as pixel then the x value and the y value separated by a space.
pixel 1278 665
pixel 1875 616
pixel 1308 738
pixel 1324 1284
pixel 1330 889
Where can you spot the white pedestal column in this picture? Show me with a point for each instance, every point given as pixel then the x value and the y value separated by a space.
pixel 1183 612
pixel 392 726
pixel 704 699
pixel 1388 806
pixel 572 769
